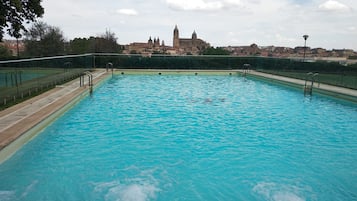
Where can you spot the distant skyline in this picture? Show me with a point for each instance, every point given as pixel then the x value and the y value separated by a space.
pixel 331 24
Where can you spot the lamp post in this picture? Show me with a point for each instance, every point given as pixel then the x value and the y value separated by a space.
pixel 305 38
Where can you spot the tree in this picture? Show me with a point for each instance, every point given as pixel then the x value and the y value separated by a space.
pixel 14 13
pixel 79 46
pixel 4 51
pixel 44 40
pixel 53 41
pixel 105 43
pixel 215 51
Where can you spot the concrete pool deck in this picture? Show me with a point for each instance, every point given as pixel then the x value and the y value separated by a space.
pixel 330 90
pixel 21 122
pixel 34 114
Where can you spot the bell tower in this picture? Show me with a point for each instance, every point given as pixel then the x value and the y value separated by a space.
pixel 194 35
pixel 176 41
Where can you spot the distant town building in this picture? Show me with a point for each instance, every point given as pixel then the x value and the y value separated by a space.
pixel 344 52
pixel 14 46
pixel 252 50
pixel 293 53
pixel 195 46
pixel 152 46
pixel 181 46
pixel 191 45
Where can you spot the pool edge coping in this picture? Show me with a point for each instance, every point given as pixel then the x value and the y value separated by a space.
pixel 67 103
pixel 11 148
pixel 323 89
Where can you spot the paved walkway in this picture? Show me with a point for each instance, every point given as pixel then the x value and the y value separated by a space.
pixel 346 93
pixel 16 120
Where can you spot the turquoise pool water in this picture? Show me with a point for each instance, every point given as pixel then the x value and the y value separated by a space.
pixel 191 138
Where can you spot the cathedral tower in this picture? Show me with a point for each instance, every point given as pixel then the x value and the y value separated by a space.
pixel 176 41
pixel 194 38
pixel 194 35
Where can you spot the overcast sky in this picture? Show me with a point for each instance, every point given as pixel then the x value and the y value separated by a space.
pixel 329 23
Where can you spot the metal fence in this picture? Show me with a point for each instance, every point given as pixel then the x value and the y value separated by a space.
pixel 341 79
pixel 24 78
pixel 20 79
pixel 332 73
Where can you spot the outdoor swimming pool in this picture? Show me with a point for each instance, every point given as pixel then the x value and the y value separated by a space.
pixel 191 138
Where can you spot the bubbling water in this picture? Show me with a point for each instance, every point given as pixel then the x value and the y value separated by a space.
pixel 190 138
pixel 143 187
pixel 278 192
pixel 7 195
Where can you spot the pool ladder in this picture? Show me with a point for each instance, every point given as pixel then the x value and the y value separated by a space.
pixel 90 80
pixel 246 70
pixel 309 82
pixel 110 66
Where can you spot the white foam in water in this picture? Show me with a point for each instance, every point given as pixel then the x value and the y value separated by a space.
pixel 29 189
pixel 7 195
pixel 142 188
pixel 275 192
pixel 137 192
pixel 131 192
pixel 286 196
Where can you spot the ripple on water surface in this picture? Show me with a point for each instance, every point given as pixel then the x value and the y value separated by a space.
pixel 190 138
